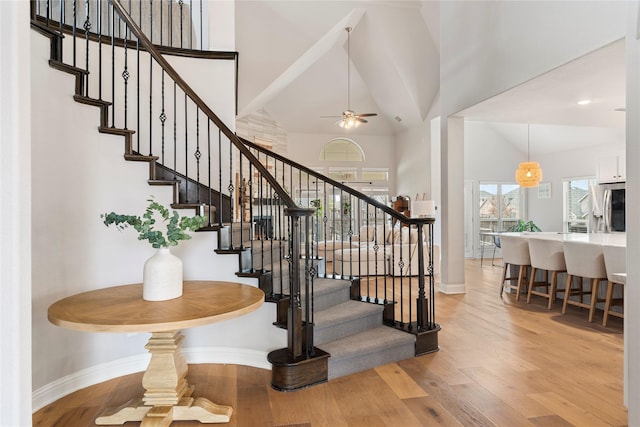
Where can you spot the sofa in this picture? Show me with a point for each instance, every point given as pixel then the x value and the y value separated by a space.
pixel 381 250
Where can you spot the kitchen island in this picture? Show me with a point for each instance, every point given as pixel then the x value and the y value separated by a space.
pixel 614 239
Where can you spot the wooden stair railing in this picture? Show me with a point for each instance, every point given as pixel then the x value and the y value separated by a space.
pixel 284 191
pixel 231 155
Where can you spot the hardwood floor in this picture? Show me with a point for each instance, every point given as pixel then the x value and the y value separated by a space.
pixel 501 363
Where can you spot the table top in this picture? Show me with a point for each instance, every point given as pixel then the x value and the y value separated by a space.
pixel 122 309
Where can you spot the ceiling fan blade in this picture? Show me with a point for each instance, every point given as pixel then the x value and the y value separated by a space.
pixel 367 115
pixel 361 120
pixel 329 117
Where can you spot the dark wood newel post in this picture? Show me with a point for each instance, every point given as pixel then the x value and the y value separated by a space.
pixel 421 303
pixel 300 365
pixel 426 329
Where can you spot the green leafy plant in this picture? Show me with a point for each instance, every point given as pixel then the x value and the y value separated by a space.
pixel 317 203
pixel 176 226
pixel 525 226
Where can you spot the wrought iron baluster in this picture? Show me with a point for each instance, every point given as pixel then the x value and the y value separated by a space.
pixel 230 188
pixel 181 3
pixel 163 119
pixel 220 208
pixel 240 198
pixel 62 17
pixel 125 76
pixel 209 170
pixel 151 83
pixel 138 125
pixel 113 65
pixel 73 32
pixel 99 18
pixel 87 27
pixel 251 230
pixel 197 154
pixel 175 132
pixel 186 151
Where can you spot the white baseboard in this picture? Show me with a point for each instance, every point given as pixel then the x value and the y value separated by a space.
pixel 452 288
pixel 129 365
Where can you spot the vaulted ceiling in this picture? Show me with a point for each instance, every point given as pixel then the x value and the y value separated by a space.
pixel 293 62
pixel 293 66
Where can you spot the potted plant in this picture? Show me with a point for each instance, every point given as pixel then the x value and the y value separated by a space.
pixel 162 276
pixel 525 226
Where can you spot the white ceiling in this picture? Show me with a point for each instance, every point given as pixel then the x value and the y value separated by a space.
pixel 293 66
pixel 293 62
pixel 549 104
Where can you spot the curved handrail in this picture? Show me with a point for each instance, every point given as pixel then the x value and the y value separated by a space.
pixel 395 214
pixel 171 72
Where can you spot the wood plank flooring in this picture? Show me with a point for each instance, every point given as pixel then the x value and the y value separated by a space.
pixel 501 363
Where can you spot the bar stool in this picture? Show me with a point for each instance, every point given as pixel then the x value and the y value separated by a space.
pixel 515 251
pixel 586 261
pixel 546 255
pixel 615 260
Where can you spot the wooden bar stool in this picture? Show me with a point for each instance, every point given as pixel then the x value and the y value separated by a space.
pixel 586 261
pixel 615 260
pixel 515 252
pixel 546 255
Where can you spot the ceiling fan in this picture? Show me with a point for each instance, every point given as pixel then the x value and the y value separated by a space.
pixel 349 118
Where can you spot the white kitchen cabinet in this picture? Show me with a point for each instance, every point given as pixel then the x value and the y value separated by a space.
pixel 612 169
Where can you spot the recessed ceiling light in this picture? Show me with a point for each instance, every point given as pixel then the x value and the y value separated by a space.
pixel 584 102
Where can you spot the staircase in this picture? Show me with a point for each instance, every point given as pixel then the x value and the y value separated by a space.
pixel 335 325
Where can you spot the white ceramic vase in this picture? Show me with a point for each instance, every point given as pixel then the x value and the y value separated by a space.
pixel 162 278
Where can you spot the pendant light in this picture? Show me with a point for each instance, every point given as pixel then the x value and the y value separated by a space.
pixel 528 173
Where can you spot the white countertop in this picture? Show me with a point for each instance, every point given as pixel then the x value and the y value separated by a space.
pixel 614 239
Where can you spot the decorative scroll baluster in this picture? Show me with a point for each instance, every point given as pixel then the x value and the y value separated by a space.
pixel 209 222
pixel 163 119
pixel 125 77
pixel 220 178
pixel 230 187
pixel 197 154
pixel 87 28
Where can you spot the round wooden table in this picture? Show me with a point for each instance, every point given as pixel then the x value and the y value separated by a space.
pixel 122 309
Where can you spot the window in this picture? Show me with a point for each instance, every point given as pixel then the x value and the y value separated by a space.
pixel 500 206
pixel 343 150
pixel 577 204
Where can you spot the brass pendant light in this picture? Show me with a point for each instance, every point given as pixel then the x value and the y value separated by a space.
pixel 528 173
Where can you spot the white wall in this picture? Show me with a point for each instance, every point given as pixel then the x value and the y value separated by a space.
pixel 557 167
pixel 413 164
pixel 73 183
pixel 379 152
pixel 15 218
pixel 632 292
pixel 488 47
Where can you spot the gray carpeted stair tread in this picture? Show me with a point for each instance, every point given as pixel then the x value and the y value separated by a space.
pixel 366 350
pixel 344 319
pixel 342 313
pixel 365 342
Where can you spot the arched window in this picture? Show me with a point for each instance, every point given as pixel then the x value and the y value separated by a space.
pixel 342 149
